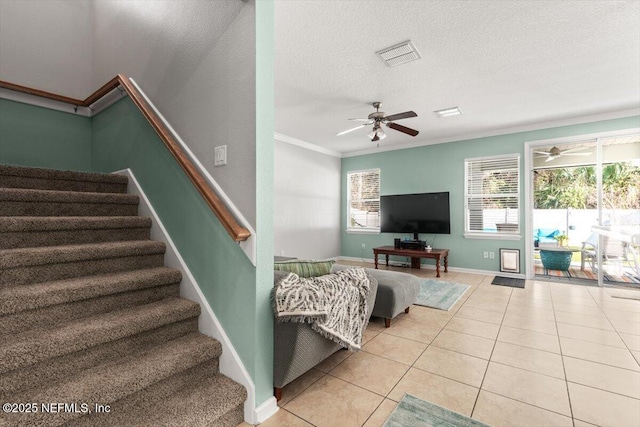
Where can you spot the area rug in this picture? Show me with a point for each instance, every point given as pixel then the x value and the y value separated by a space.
pixel 626 277
pixel 508 281
pixel 415 412
pixel 439 294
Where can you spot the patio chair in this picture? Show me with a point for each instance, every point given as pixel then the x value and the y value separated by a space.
pixel 613 251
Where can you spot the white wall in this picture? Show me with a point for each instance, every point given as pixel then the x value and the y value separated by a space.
pixel 196 61
pixel 307 203
pixel 47 45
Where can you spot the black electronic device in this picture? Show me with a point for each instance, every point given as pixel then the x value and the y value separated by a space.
pixel 413 244
pixel 396 243
pixel 415 213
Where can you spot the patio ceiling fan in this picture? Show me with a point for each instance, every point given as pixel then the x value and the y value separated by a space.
pixel 555 152
pixel 378 119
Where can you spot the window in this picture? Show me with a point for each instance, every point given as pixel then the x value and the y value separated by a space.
pixel 492 196
pixel 363 200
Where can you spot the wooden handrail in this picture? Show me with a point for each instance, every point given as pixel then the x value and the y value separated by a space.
pixel 40 93
pixel 235 230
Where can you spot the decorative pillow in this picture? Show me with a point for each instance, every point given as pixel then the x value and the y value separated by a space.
pixel 305 268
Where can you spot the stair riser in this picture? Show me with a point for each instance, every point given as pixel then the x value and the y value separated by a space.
pixel 61 184
pixel 42 273
pixel 232 418
pixel 55 369
pixel 56 314
pixel 133 405
pixel 16 208
pixel 31 239
pixel 131 379
pixel 15 299
pixel 110 327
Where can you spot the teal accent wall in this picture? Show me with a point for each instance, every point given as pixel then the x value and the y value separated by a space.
pixel 440 167
pixel 265 118
pixel 40 137
pixel 122 138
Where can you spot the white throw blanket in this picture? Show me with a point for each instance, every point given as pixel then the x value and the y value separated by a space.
pixel 335 304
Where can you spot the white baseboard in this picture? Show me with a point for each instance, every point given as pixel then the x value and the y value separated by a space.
pixel 230 363
pixel 433 267
pixel 265 411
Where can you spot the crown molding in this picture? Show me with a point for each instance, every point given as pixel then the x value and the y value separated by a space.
pixel 303 144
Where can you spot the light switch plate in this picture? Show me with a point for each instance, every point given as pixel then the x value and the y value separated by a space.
pixel 220 155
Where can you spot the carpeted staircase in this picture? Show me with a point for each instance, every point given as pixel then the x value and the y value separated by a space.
pixel 90 316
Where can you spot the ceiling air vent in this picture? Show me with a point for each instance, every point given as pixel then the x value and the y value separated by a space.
pixel 399 54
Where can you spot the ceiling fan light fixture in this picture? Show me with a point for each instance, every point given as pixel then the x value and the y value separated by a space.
pixel 448 112
pixel 377 134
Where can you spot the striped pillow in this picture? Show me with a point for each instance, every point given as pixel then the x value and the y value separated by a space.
pixel 305 268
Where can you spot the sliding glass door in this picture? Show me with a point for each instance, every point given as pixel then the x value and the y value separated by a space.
pixel 585 209
pixel 618 228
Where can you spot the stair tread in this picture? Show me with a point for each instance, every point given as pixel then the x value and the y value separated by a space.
pixel 44 173
pixel 117 379
pixel 39 344
pixel 58 223
pixel 28 297
pixel 58 196
pixel 198 404
pixel 11 258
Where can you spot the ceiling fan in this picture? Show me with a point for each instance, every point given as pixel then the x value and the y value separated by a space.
pixel 378 118
pixel 555 152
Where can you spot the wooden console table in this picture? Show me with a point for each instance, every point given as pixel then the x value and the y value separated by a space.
pixel 415 255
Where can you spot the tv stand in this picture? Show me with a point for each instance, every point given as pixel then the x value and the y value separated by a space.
pixel 415 255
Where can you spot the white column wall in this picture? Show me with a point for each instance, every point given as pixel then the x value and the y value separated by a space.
pixel 307 203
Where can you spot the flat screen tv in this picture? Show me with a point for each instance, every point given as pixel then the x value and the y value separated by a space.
pixel 415 213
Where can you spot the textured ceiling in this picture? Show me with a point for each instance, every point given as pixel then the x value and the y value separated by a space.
pixel 508 65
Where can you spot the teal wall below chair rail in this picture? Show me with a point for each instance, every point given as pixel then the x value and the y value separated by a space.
pixel 40 137
pixel 440 167
pixel 122 138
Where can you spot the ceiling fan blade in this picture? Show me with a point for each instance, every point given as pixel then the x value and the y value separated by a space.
pixel 352 129
pixel 546 153
pixel 403 129
pixel 571 150
pixel 362 120
pixel 550 158
pixel 399 116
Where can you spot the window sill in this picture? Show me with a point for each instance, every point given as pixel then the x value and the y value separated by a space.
pixel 362 231
pixel 492 236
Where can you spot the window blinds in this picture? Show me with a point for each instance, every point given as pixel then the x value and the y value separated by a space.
pixel 363 202
pixel 493 195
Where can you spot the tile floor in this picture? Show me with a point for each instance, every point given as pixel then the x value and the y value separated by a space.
pixel 551 354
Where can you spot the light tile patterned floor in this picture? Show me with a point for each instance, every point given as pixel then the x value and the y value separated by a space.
pixel 551 354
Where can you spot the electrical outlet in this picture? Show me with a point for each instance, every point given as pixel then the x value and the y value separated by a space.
pixel 363 246
pixel 485 254
pixel 220 155
pixel 492 255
